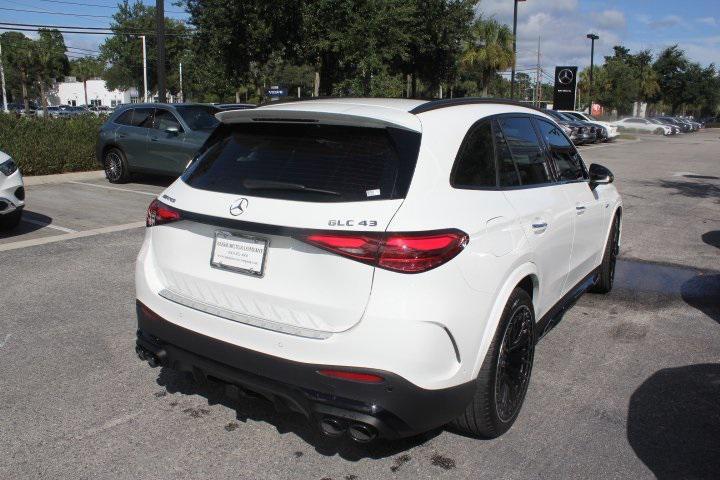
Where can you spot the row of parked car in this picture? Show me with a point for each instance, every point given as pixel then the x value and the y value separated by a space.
pixel 663 125
pixel 583 128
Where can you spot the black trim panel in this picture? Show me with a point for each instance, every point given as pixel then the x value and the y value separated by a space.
pixel 396 407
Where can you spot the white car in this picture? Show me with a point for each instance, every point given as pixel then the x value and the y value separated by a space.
pixel 12 193
pixel 382 266
pixel 612 131
pixel 642 125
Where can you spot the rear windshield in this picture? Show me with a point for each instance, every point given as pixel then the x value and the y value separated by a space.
pixel 307 162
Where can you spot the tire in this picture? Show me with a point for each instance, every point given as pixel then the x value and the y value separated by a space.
pixel 659 131
pixel 487 415
pixel 115 165
pixel 606 274
pixel 10 220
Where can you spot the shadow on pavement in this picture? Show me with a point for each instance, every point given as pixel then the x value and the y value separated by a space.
pixel 155 180
pixel 674 422
pixel 259 409
pixel 712 238
pixel 692 189
pixel 31 222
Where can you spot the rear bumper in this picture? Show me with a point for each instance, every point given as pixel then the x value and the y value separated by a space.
pixel 395 408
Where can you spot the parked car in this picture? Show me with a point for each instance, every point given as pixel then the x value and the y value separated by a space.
pixel 610 131
pixel 383 266
pixel 683 126
pixel 642 125
pixel 578 131
pixel 153 138
pixel 12 193
pixel 675 129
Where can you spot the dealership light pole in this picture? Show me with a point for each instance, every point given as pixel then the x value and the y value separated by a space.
pixel 512 75
pixel 592 38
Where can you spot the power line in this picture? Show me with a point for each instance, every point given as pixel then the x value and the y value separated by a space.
pixel 84 30
pixel 98 5
pixel 47 12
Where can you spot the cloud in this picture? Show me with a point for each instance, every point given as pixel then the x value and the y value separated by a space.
pixel 668 21
pixel 610 19
pixel 707 21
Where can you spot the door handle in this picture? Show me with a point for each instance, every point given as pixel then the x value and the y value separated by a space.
pixel 122 135
pixel 153 139
pixel 539 226
pixel 580 209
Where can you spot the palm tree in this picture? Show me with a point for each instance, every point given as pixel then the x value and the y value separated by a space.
pixel 489 50
pixel 85 69
pixel 50 60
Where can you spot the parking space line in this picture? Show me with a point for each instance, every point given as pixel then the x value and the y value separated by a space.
pixel 48 225
pixel 69 236
pixel 108 187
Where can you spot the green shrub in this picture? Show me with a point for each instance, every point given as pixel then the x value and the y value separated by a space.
pixel 43 146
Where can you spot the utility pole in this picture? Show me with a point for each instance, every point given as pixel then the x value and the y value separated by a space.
pixel 537 76
pixel 160 30
pixel 2 77
pixel 182 95
pixel 145 92
pixel 592 38
pixel 512 76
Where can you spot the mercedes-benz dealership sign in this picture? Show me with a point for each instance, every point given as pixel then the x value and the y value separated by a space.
pixel 565 87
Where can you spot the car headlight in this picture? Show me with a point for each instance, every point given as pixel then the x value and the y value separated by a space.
pixel 8 167
pixel 566 129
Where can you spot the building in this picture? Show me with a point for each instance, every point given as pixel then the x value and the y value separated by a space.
pixel 72 92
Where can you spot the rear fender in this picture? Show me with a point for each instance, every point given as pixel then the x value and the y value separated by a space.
pixel 502 297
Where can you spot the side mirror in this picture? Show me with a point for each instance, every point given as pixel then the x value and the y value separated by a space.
pixel 600 175
pixel 172 130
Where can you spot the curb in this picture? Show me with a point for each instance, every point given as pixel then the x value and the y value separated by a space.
pixel 63 177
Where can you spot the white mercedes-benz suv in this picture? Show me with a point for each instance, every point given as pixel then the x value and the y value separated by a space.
pixel 382 266
pixel 12 193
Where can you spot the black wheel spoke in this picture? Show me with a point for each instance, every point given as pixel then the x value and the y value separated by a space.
pixel 514 363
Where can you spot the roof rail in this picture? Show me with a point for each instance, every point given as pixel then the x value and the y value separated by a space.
pixel 453 102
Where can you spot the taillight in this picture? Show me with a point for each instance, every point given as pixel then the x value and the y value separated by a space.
pixel 353 376
pixel 158 214
pixel 399 252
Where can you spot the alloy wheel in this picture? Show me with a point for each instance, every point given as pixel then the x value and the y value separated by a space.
pixel 514 363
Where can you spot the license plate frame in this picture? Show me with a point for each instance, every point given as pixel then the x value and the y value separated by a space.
pixel 240 238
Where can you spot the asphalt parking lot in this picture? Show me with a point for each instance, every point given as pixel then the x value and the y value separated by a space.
pixel 625 386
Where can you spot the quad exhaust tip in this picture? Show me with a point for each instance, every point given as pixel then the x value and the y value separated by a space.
pixel 336 427
pixel 362 433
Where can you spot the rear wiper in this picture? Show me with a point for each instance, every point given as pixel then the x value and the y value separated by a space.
pixel 254 184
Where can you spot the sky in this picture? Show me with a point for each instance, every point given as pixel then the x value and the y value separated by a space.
pixel 560 25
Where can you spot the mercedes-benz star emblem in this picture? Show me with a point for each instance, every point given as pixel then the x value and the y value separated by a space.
pixel 238 206
pixel 565 76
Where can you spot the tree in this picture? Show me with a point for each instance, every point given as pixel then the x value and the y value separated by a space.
pixel 123 52
pixel 50 61
pixel 86 68
pixel 488 50
pixel 671 66
pixel 440 28
pixel 19 58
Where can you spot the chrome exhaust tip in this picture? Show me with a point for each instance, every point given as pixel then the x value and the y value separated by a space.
pixel 362 433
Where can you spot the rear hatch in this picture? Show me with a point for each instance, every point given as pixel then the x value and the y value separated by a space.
pixel 249 202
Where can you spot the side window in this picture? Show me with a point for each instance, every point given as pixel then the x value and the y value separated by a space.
pixel 508 172
pixel 143 117
pixel 165 119
pixel 475 164
pixel 522 142
pixel 125 118
pixel 567 159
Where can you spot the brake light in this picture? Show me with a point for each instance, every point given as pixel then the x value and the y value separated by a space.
pixel 354 376
pixel 399 252
pixel 158 214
